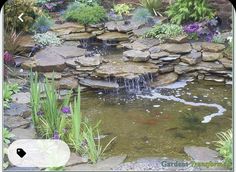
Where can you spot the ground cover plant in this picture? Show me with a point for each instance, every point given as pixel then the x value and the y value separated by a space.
pixel 48 38
pixel 9 90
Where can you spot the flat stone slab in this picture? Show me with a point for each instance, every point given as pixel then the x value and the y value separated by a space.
pixel 142 44
pixel 52 75
pixel 125 69
pixel 137 55
pixel 164 79
pixel 99 84
pixel 176 48
pixel 20 133
pixel 21 98
pixel 89 61
pixel 192 58
pixel 15 122
pixel 77 36
pixel 68 83
pixel 68 25
pixel 17 109
pixel 202 154
pixel 208 56
pixel 212 47
pixel 110 36
pixel 69 51
pixel 107 164
pixel 158 55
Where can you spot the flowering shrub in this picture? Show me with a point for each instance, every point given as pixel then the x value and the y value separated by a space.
pixel 205 30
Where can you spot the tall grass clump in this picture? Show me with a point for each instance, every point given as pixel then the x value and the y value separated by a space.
pixel 225 147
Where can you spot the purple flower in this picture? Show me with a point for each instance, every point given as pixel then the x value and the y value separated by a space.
pixel 209 37
pixel 191 28
pixel 40 113
pixel 66 110
pixel 8 59
pixel 56 135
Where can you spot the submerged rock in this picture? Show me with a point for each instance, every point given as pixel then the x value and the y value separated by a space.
pixel 136 55
pixel 164 79
pixel 99 84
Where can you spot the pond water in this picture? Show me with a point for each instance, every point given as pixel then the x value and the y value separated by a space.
pixel 157 125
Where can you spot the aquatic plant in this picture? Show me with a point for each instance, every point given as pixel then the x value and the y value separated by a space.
pixel 182 11
pixel 8 90
pixel 225 146
pixel 122 9
pixel 142 15
pixel 152 5
pixel 42 24
pixel 85 14
pixel 164 31
pixel 47 38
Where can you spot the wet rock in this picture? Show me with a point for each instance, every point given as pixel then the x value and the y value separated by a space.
pixel 166 69
pixel 15 122
pixel 228 64
pixel 21 98
pixel 212 47
pixel 77 36
pixel 106 164
pixel 69 51
pixel 52 75
pixel 214 78
pixel 176 48
pixel 208 56
pixel 125 69
pixel 17 109
pixel 136 55
pixel 68 83
pixel 113 36
pixel 158 55
pixel 20 133
pixel 178 39
pixel 202 154
pixel 183 68
pixel 192 58
pixel 142 44
pixel 164 79
pixel 89 61
pixel 99 84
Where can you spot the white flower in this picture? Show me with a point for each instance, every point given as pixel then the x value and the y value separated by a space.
pixel 230 38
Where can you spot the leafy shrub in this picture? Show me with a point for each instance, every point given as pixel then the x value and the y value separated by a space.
pixel 225 146
pixel 151 5
pixel 85 14
pixel 188 10
pixel 142 15
pixel 164 31
pixel 12 42
pixel 12 9
pixel 122 9
pixel 46 39
pixel 42 24
pixel 89 2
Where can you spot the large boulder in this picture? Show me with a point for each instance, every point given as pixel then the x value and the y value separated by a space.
pixel 136 55
pixel 212 47
pixel 192 58
pixel 208 56
pixel 176 48
pixel 158 55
